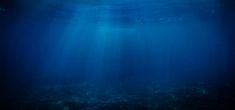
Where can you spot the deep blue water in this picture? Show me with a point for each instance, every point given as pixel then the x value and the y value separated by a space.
pixel 80 49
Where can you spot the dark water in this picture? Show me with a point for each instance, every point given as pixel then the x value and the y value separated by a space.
pixel 117 55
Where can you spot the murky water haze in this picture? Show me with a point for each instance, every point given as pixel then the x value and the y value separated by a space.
pixel 124 51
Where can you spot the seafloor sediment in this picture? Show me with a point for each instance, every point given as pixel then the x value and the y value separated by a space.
pixel 90 97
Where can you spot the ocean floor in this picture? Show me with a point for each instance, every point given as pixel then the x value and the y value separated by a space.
pixel 90 97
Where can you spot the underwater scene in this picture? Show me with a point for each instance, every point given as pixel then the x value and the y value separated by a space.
pixel 117 54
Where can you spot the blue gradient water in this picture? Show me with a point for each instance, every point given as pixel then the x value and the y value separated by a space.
pixel 108 43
